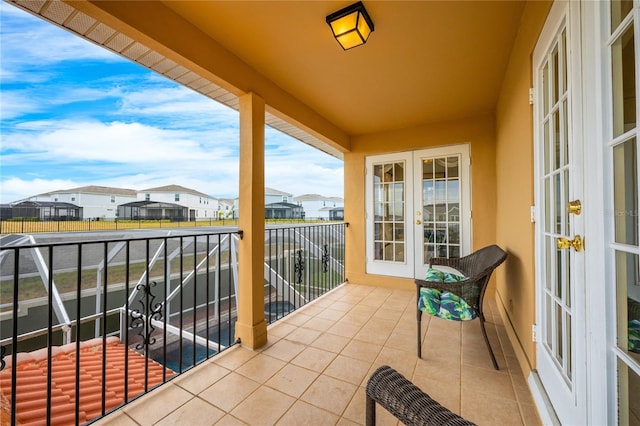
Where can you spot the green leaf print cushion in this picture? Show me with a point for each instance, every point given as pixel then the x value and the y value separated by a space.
pixel 444 305
pixel 448 275
pixel 634 336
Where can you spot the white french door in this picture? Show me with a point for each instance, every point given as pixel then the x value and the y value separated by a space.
pixel 622 43
pixel 560 279
pixel 418 206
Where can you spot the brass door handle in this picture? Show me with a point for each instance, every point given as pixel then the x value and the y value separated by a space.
pixel 564 243
pixel 574 207
pixel 418 222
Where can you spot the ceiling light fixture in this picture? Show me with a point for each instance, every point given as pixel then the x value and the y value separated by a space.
pixel 351 26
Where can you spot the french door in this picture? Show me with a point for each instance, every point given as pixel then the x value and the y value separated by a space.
pixel 418 206
pixel 621 146
pixel 560 280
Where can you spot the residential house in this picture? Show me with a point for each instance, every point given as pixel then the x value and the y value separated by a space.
pixel 523 114
pixel 318 206
pixel 275 196
pixel 97 202
pixel 200 206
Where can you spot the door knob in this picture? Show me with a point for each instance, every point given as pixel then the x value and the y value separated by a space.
pixel 564 243
pixel 418 222
pixel 574 207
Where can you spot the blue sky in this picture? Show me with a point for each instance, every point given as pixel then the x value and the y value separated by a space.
pixel 75 114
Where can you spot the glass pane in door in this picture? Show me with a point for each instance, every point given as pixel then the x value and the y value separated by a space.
pixel 556 186
pixel 441 207
pixel 389 211
pixel 629 396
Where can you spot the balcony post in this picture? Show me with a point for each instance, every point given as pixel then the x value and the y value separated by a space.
pixel 251 326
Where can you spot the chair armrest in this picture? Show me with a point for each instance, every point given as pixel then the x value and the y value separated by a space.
pixel 406 401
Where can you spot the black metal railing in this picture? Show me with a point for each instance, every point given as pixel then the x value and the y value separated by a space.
pixel 88 326
pixel 36 226
pixel 302 263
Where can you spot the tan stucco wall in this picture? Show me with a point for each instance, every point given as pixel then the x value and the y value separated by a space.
pixel 515 288
pixel 479 132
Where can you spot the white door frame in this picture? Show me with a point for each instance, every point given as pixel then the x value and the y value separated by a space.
pixel 411 267
pixel 569 402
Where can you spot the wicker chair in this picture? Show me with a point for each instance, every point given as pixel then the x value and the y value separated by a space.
pixel 477 268
pixel 406 401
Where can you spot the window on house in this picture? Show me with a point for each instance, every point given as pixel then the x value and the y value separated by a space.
pixel 73 198
pixel 285 199
pixel 147 197
pixel 113 198
pixel 177 197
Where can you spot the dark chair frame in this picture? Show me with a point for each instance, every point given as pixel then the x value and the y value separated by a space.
pixel 477 267
pixel 405 401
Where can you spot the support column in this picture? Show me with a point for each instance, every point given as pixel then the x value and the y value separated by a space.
pixel 251 326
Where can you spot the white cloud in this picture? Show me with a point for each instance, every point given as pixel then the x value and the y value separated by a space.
pixel 132 129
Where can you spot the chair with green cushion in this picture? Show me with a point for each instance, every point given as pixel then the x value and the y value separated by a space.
pixel 454 289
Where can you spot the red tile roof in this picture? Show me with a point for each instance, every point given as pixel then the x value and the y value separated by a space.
pixel 31 392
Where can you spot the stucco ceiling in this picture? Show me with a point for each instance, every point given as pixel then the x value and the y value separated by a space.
pixel 427 61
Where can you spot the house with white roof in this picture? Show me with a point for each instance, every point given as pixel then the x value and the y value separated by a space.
pixel 318 206
pixel 97 202
pixel 201 206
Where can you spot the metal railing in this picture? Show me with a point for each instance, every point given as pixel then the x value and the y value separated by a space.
pixel 91 325
pixel 33 226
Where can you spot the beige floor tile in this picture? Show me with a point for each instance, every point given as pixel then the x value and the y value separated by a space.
pixel 445 371
pixel 407 343
pixel 157 404
pixel 361 350
pixel 297 318
pixel 341 306
pixel 331 314
pixel 348 369
pixel 234 357
pixel 195 412
pixel 344 329
pixel 227 392
pixel 118 418
pixel 292 380
pixel 329 394
pixel 355 410
pixel 347 422
pixel 314 359
pixel 261 367
pixel 198 379
pixel 320 324
pixel 304 335
pixel 370 335
pixel 302 413
pixel 404 362
pixel 284 349
pixel 486 410
pixel 330 342
pixel 311 310
pixel 488 382
pixel 229 420
pixel 281 329
pixel 263 407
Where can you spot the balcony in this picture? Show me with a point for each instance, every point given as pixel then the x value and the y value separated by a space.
pixel 316 363
pixel 324 339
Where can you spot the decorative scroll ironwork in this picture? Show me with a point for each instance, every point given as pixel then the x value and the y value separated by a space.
pixel 3 352
pixel 299 266
pixel 325 258
pixel 142 318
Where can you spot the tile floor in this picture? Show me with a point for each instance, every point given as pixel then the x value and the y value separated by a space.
pixel 314 369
